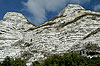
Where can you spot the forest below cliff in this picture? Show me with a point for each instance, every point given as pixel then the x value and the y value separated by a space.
pixel 68 59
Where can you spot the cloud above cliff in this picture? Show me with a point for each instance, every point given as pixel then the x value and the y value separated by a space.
pixel 39 8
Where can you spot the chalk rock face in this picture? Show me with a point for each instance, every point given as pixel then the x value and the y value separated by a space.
pixel 72 26
pixel 70 10
pixel 12 29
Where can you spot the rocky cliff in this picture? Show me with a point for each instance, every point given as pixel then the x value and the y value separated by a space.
pixel 72 29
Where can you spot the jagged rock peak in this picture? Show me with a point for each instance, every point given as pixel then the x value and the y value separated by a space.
pixel 16 19
pixel 75 6
pixel 70 9
pixel 14 16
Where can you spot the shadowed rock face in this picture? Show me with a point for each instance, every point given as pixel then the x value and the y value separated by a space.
pixel 72 26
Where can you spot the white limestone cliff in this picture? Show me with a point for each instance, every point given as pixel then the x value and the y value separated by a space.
pixel 72 26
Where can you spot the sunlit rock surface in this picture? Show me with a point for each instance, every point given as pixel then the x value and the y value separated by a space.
pixel 72 26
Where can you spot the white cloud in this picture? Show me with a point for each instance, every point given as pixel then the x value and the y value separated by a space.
pixel 97 7
pixel 38 8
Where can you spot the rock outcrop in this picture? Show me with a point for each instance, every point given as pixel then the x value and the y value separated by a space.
pixel 71 29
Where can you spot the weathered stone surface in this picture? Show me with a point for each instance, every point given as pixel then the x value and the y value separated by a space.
pixel 72 26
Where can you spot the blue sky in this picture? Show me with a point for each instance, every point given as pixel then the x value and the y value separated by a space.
pixel 39 11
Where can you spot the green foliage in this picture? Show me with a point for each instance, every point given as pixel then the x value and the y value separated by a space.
pixel 11 62
pixel 18 62
pixel 6 62
pixel 68 59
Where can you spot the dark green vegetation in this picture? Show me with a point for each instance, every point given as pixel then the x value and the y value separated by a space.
pixel 13 62
pixel 68 59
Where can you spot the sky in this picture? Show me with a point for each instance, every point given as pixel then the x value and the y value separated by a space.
pixel 39 11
